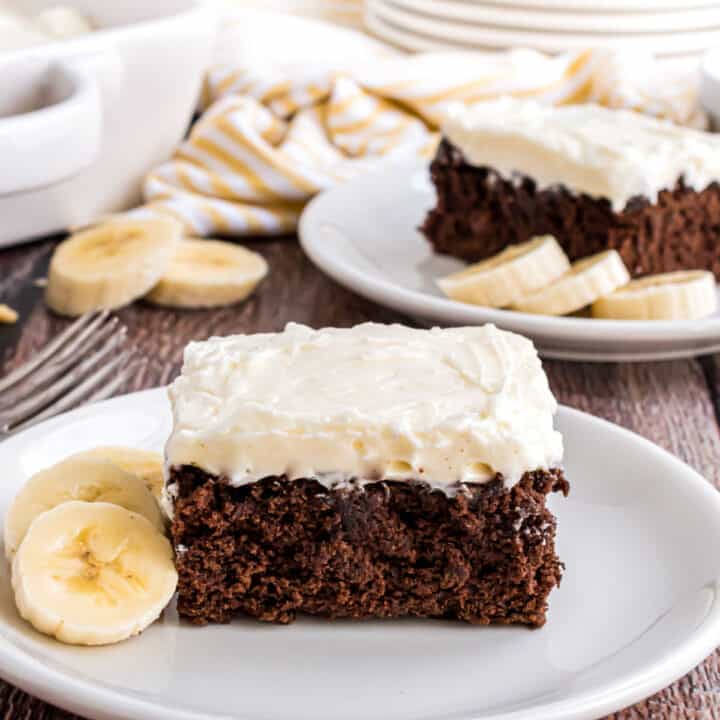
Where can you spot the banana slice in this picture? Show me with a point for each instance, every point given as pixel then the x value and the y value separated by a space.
pixel 146 465
pixel 92 573
pixel 516 271
pixel 586 281
pixel 209 273
pixel 684 295
pixel 7 314
pixel 110 265
pixel 77 479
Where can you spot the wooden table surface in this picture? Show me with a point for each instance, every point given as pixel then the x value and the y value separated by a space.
pixel 675 404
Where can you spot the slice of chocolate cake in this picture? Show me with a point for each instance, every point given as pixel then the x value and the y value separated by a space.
pixel 595 178
pixel 378 471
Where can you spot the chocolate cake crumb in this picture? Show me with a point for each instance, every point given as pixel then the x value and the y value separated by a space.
pixel 276 547
pixel 478 214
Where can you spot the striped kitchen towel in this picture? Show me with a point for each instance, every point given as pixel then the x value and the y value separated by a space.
pixel 276 131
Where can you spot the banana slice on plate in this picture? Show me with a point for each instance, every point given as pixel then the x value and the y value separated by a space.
pixel 516 271
pixel 208 273
pixel 586 281
pixel 77 479
pixel 110 265
pixel 92 573
pixel 147 465
pixel 683 295
pixel 7 315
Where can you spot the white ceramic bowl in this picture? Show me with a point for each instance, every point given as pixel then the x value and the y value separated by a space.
pixel 82 121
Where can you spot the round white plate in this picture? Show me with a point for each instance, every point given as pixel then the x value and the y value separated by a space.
pixel 416 42
pixel 407 41
pixel 364 235
pixel 468 36
pixel 602 5
pixel 564 20
pixel 638 608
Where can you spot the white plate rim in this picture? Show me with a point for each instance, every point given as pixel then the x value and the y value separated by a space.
pixel 399 38
pixel 436 308
pixel 414 42
pixel 592 5
pixel 664 43
pixel 550 353
pixel 88 698
pixel 562 20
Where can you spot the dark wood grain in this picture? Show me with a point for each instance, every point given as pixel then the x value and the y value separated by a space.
pixel 674 404
pixel 711 368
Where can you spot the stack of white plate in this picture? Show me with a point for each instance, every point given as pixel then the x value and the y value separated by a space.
pixel 666 28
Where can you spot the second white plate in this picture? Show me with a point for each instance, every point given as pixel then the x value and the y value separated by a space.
pixel 638 607
pixel 526 18
pixel 364 235
pixel 383 17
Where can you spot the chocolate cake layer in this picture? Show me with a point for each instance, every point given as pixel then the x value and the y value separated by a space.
pixel 478 214
pixel 274 548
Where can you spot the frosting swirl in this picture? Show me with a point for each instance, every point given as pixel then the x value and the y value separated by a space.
pixel 371 402
pixel 604 153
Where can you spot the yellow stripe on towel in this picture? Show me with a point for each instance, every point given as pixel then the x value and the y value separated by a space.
pixel 271 138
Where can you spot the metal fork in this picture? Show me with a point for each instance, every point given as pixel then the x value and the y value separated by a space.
pixel 84 363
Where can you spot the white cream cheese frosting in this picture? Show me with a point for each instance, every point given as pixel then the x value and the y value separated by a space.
pixel 372 402
pixel 605 153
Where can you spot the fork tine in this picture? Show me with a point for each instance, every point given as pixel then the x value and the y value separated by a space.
pixel 39 400
pixel 85 322
pixel 103 393
pixel 88 337
pixel 80 344
pixel 109 389
pixel 78 394
pixel 66 359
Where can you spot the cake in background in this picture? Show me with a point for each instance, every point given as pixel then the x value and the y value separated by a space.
pixel 596 179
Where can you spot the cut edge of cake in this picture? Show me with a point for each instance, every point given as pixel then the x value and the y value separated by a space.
pixel 387 549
